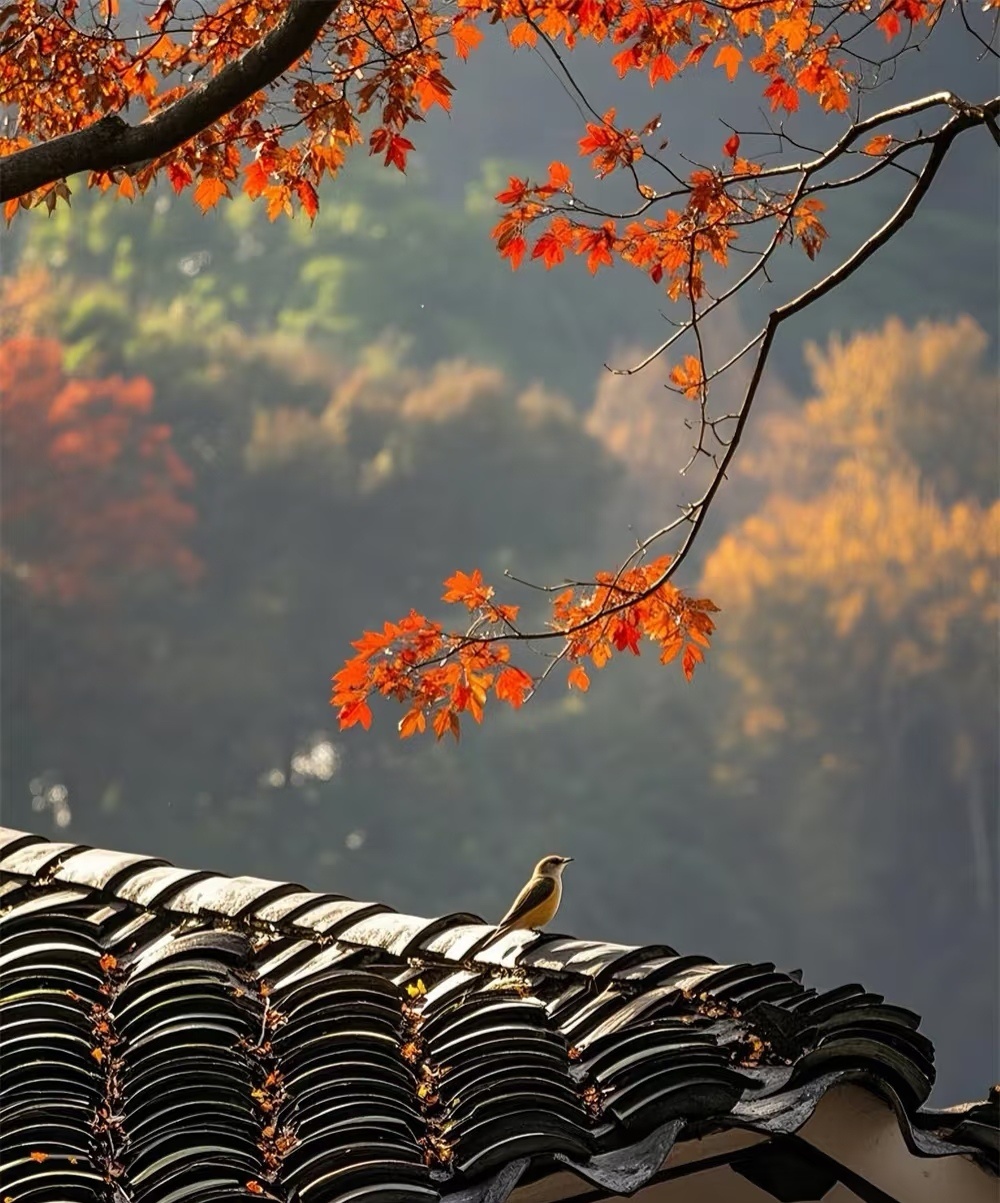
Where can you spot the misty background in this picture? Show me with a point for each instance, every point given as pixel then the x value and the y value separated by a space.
pixel 349 412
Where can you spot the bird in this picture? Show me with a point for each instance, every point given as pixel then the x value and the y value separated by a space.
pixel 538 901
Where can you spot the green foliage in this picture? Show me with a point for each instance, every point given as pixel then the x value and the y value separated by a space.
pixel 383 258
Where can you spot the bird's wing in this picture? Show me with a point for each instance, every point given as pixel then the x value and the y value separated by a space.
pixel 534 894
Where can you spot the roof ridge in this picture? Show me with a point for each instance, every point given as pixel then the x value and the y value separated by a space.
pixel 159 887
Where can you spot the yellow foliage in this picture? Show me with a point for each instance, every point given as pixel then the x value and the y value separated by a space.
pixel 379 400
pixel 921 393
pixel 873 560
pixel 872 546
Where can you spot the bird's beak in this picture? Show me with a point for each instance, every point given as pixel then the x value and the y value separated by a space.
pixel 566 860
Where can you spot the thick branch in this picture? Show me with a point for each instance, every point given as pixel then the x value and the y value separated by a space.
pixel 112 142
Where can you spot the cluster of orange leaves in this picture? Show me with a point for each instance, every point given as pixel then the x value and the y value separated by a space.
pixel 798 55
pixel 65 64
pixel 93 488
pixel 671 248
pixel 442 675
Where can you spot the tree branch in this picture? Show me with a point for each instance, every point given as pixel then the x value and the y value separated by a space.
pixel 966 116
pixel 112 142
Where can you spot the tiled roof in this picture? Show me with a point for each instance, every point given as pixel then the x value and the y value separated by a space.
pixel 175 1035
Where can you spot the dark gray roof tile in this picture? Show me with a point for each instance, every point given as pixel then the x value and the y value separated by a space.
pixel 562 954
pixel 213 1038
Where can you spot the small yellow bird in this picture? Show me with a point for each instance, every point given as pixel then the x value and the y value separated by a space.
pixel 538 902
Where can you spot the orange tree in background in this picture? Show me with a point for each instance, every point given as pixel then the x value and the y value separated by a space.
pixel 267 97
pixel 92 488
pixel 862 604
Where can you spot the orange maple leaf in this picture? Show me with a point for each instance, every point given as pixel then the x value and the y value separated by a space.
pixel 467 588
pixel 466 37
pixel 513 194
pixel 355 712
pixel 513 686
pixel 209 192
pixel 693 655
pixel 308 198
pixel 687 376
pixel 578 678
pixel 878 145
pixel 559 177
pixel 782 95
pixel 729 57
pixel 551 246
pixel 411 723
pixel 257 176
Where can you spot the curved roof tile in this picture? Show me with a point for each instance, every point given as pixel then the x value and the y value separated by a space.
pixel 180 1035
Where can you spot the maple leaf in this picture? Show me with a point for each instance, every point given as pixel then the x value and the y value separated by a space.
pixel 355 712
pixel 696 54
pixel 161 15
pixel 209 192
pixel 731 146
pixel 279 200
pixel 180 176
pixel 729 57
pixel 878 145
pixel 308 198
pixel 513 248
pixel 626 635
pixel 513 194
pixel 411 723
pixel 629 59
pixel 523 34
pixel 889 23
pixel 782 95
pixel 693 655
pixel 596 245
pixel 432 89
pixel 607 145
pixel 446 719
pixel 807 227
pixel 257 177
pixel 512 686
pixel 559 177
pixel 578 678
pixel 394 146
pixel 466 37
pixel 551 246
pixel 662 67
pixel 467 588
pixel 687 376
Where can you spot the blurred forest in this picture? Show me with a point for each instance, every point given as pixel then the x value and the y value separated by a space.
pixel 229 446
